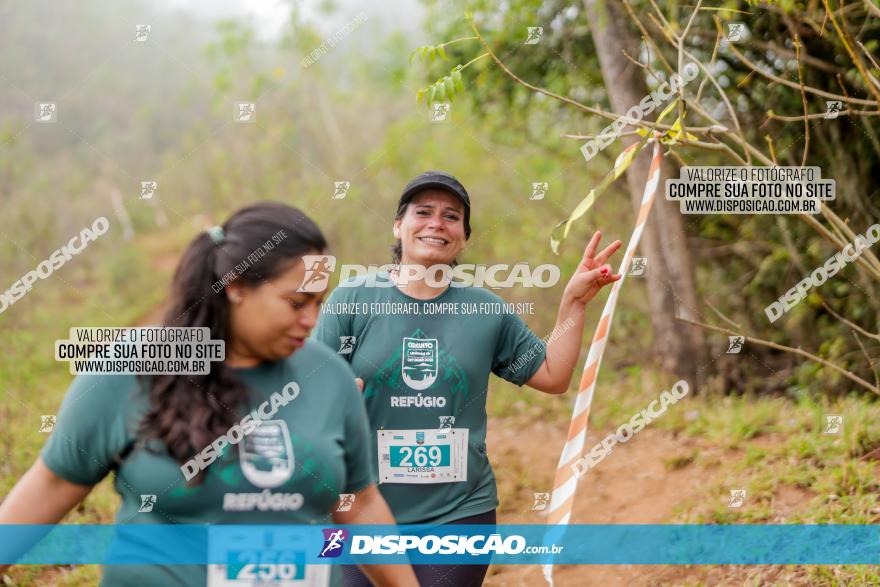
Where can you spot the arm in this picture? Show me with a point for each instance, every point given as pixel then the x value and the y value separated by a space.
pixel 591 275
pixel 370 508
pixel 40 497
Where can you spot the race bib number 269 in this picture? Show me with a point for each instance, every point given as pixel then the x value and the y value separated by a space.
pixel 423 456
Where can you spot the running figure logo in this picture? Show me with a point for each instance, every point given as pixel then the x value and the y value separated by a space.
pixel 419 364
pixel 346 344
pixel 147 503
pixel 340 189
pixel 47 423
pixel 142 32
pixel 346 500
pixel 833 423
pixel 737 497
pixel 46 112
pixel 736 31
pixel 832 109
pixel 736 344
pixel 318 270
pixel 446 422
pixel 638 266
pixel 439 111
pixel 534 35
pixel 245 112
pixel 148 189
pixel 334 541
pixel 539 190
pixel 542 500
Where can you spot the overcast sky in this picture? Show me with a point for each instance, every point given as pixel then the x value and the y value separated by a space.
pixel 269 16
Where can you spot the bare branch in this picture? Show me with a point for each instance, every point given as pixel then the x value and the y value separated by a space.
pixel 871 8
pixel 797 49
pixel 868 357
pixel 773 116
pixel 722 316
pixel 844 38
pixel 848 374
pixel 791 84
pixel 849 323
pixel 873 62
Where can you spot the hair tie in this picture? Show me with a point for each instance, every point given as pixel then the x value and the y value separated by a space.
pixel 216 234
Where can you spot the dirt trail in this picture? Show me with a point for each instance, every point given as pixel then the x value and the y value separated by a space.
pixel 631 486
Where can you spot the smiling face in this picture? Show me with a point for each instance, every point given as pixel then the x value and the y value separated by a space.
pixel 431 230
pixel 272 320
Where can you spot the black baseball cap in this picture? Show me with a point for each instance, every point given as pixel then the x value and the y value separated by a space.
pixel 439 180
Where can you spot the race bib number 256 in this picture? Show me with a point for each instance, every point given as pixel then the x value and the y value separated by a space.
pixel 248 574
pixel 280 561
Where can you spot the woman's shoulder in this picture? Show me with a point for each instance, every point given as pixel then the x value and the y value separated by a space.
pixel 364 281
pixel 315 355
pixel 102 387
pixel 316 364
pixel 99 397
pixel 358 288
pixel 476 293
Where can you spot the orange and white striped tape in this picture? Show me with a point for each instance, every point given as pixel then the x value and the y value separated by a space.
pixel 565 484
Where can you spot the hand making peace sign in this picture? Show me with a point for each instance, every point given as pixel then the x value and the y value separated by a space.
pixel 592 273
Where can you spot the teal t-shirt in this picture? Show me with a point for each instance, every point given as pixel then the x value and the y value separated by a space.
pixel 421 368
pixel 289 470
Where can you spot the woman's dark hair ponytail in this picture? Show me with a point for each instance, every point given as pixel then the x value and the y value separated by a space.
pixel 257 243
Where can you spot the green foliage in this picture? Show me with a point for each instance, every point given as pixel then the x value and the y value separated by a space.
pixel 429 52
pixel 444 88
pixel 759 265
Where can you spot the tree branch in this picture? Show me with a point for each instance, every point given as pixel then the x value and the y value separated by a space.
pixel 849 375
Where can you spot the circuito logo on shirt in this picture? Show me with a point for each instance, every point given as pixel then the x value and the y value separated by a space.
pixel 419 362
pixel 266 454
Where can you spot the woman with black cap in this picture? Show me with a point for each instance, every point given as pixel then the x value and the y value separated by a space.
pixel 425 375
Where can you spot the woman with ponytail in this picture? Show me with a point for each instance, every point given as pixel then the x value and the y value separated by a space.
pixel 300 460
